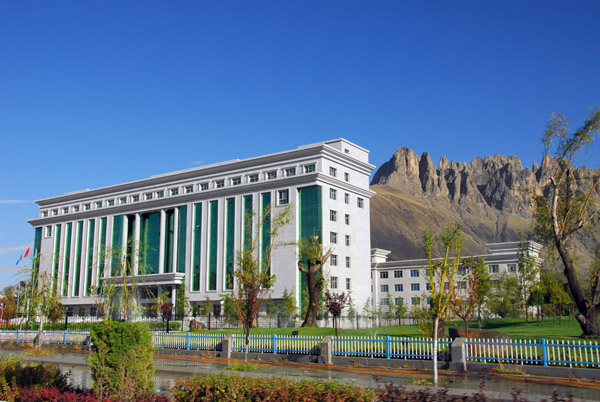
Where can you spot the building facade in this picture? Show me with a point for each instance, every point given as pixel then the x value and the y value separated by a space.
pixel 186 226
pixel 405 280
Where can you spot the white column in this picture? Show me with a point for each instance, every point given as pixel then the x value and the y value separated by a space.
pixel 136 245
pixel 161 247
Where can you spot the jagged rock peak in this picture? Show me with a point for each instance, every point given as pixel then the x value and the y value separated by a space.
pixel 496 181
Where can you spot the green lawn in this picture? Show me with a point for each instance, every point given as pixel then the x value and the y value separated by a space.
pixel 516 328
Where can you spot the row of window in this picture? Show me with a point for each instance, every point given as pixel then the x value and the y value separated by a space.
pixel 360 202
pixel 175 191
pixel 333 261
pixel 414 273
pixel 333 238
pixel 333 283
pixel 415 301
pixel 333 173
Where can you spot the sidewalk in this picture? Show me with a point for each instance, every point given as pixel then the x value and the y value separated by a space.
pixel 169 368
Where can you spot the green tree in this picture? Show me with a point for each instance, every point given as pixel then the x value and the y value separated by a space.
pixel 390 312
pixel 252 278
pixel 311 253
pixel 505 300
pixel 9 303
pixel 182 302
pixel 289 305
pixel 400 310
pixel 440 272
pixel 571 206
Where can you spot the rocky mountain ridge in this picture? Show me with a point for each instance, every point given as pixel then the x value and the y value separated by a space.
pixel 489 197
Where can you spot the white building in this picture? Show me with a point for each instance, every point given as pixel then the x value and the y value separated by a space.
pixel 188 225
pixel 406 279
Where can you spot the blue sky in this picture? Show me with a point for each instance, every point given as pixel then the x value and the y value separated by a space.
pixel 94 93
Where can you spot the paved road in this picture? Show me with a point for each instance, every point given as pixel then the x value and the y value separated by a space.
pixel 497 387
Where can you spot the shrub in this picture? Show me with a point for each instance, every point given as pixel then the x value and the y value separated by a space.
pixel 121 362
pixel 230 388
pixel 14 376
pixel 56 395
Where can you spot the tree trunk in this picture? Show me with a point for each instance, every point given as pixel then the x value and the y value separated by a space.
pixel 435 347
pixel 313 295
pixel 466 328
pixel 588 310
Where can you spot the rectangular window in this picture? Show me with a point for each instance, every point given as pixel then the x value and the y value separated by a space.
pixel 332 193
pixel 461 285
pixel 348 262
pixel 236 181
pixel 203 186
pixel 122 200
pixel 360 202
pixel 78 260
pixel 160 194
pixel 384 288
pixel 189 189
pixel 347 198
pixel 333 260
pixel 150 227
pixel 383 274
pixel 135 198
pixel 427 286
pixel 347 240
pixel 446 285
pixel 253 178
pixel 348 284
pixel 174 191
pixel 213 243
pixel 399 287
pixel 290 172
pixel 385 301
pixel 229 242
pixel 347 176
pixel 397 274
pixel 65 210
pixel 75 208
pixel 283 197
pixel 332 172
pixel 415 301
pixel 220 183
pixel 333 215
pixel 48 232
pixel 102 247
pixel 110 203
pixel 512 268
pixel 347 219
pixel 415 287
pixel 56 258
pixel 334 282
pixel 148 196
pixel 399 300
pixel 55 211
pixel 196 250
pixel 271 175
pixel 494 269
pixel 414 273
pixel 266 227
pixel 44 214
pixel 310 168
pixel 333 237
pixel 89 264
pixel 181 239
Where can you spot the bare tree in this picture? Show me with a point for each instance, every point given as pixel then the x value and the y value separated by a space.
pixel 311 253
pixel 570 207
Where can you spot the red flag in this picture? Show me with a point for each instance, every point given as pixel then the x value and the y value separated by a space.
pixel 26 252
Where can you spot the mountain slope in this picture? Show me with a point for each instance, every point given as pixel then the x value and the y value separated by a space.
pixel 489 198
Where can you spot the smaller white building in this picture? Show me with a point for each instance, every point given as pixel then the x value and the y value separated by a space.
pixel 405 280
